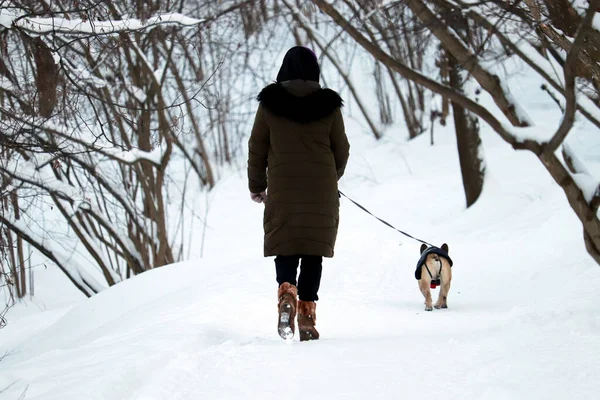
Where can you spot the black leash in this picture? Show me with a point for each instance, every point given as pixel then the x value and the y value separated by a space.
pixel 384 222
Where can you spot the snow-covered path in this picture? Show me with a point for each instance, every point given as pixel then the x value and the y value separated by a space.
pixel 523 319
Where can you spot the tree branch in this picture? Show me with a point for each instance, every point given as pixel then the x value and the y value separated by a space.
pixel 535 65
pixel 44 26
pixel 85 289
pixel 420 79
pixel 299 18
pixel 569 71
pixel 489 82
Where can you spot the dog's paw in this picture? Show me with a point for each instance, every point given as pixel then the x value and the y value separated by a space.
pixel 444 305
pixel 428 308
pixel 437 306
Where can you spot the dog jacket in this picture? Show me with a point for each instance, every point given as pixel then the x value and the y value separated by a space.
pixel 430 250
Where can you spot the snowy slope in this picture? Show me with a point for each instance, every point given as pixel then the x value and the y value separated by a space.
pixel 523 319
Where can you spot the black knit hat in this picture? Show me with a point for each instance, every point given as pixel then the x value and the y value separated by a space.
pixel 299 63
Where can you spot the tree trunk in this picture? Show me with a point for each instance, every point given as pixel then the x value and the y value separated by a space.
pixel 383 101
pixel 19 267
pixel 13 269
pixel 586 213
pixel 466 125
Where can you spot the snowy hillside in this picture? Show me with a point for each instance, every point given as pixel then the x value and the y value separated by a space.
pixel 523 319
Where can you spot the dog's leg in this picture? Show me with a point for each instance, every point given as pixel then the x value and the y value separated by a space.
pixel 445 288
pixel 424 283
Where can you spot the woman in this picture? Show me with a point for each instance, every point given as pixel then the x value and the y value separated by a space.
pixel 298 149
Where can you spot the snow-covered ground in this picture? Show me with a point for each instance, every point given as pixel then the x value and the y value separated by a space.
pixel 523 319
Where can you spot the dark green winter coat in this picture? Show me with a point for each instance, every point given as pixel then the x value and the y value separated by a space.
pixel 298 151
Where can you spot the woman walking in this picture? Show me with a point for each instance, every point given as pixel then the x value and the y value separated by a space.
pixel 298 151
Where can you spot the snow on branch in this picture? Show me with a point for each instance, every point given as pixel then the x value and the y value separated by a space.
pixel 76 273
pixel 125 156
pixel 589 185
pixel 10 18
pixel 134 155
pixel 72 201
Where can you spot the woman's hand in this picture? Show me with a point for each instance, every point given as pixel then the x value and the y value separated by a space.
pixel 259 197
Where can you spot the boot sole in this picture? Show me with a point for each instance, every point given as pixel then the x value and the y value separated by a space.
pixel 284 328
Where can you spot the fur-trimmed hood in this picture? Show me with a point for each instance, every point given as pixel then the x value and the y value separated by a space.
pixel 303 109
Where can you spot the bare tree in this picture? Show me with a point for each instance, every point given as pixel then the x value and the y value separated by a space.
pixel 583 202
pixel 93 109
pixel 329 52
pixel 403 37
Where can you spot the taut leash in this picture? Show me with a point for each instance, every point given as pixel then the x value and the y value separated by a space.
pixel 384 222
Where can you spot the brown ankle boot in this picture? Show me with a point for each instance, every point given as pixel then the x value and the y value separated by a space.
pixel 307 318
pixel 288 303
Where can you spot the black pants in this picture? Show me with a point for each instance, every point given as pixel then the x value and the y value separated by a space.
pixel 310 274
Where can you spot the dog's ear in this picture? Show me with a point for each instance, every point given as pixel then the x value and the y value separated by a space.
pixel 444 247
pixel 423 248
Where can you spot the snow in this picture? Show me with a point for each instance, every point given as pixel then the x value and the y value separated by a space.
pixel 558 79
pixel 522 322
pixel 588 185
pixel 65 256
pixel 158 74
pixel 578 165
pixel 588 105
pixel 139 93
pixel 519 317
pixel 6 84
pixel 105 148
pixel 529 133
pixel 133 155
pixel 596 22
pixel 84 75
pixel 528 50
pixel 84 26
pixel 519 111
pixel 7 16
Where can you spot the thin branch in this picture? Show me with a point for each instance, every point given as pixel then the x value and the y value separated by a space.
pixel 85 289
pixel 569 71
pixel 488 81
pixel 534 64
pixel 546 89
pixel 420 79
pixel 299 18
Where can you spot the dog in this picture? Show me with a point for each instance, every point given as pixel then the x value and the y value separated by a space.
pixel 434 268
